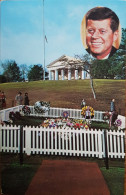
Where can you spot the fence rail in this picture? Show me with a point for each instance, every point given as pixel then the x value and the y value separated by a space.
pixel 58 141
pixel 53 112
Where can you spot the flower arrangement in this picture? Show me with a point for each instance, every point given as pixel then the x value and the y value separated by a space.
pixel 26 110
pixel 87 112
pixel 118 122
pixel 65 114
pixel 106 116
pixel 14 115
pixel 41 107
pixel 72 123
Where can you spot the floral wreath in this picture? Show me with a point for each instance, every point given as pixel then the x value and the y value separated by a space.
pixel 118 122
pixel 87 112
pixel 65 114
pixel 26 110
pixel 41 107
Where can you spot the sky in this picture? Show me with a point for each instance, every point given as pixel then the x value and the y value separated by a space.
pixel 21 28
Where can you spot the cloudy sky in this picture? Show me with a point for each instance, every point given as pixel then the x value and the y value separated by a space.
pixel 21 28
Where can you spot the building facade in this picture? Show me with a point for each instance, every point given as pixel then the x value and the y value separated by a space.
pixel 67 68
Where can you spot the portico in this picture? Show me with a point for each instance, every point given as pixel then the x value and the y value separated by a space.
pixel 67 68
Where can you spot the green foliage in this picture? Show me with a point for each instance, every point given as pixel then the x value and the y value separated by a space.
pixel 11 71
pixel 35 73
pixel 3 79
pixel 123 39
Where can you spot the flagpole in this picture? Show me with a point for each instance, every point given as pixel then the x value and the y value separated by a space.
pixel 43 43
pixel 0 30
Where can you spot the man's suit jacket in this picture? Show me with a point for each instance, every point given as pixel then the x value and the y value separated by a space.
pixel 111 53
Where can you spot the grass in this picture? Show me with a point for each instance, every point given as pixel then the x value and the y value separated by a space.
pixel 29 121
pixel 69 94
pixel 16 177
pixel 115 179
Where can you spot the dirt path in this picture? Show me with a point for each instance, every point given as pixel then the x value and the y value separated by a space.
pixel 63 177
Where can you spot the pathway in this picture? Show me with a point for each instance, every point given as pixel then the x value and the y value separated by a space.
pixel 68 177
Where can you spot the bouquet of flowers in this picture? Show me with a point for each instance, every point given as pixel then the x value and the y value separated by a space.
pixel 41 107
pixel 26 110
pixel 14 115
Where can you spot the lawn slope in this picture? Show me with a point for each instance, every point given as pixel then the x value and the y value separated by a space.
pixel 68 94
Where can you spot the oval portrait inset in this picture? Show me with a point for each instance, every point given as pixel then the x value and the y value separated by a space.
pixel 101 32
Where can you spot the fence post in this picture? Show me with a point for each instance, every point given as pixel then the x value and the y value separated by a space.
pixel 28 140
pixel 106 149
pixel 100 143
pixel 21 145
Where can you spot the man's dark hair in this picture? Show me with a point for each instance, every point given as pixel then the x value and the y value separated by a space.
pixel 102 13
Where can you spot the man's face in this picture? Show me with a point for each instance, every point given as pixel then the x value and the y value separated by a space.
pixel 100 37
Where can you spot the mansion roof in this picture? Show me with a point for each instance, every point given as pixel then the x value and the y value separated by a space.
pixel 64 62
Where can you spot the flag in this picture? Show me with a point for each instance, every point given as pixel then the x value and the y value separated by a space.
pixel 46 39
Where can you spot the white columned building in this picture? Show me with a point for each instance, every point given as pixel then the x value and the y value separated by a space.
pixel 67 68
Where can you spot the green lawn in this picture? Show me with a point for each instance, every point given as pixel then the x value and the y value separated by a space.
pixel 114 177
pixel 69 94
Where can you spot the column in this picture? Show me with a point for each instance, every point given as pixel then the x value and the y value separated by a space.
pixel 76 74
pixel 83 74
pixel 53 75
pixel 88 76
pixel 69 74
pixel 56 75
pixel 62 74
pixel 50 75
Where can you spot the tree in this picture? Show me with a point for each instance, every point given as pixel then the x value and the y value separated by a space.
pixel 85 61
pixel 35 73
pixel 11 71
pixel 123 40
pixel 23 69
pixel 3 79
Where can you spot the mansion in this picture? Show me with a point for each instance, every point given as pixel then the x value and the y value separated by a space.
pixel 67 68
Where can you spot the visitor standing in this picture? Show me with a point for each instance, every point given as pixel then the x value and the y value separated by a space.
pixel 3 99
pixel 26 99
pixel 83 103
pixel 112 106
pixel 19 99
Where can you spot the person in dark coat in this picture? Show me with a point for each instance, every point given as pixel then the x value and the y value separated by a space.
pixel 112 106
pixel 26 99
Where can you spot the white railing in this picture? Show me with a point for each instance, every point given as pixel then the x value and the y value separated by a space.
pixel 58 141
pixel 53 112
pixel 4 114
pixel 73 113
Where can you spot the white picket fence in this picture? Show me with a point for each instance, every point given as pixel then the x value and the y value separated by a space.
pixel 58 141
